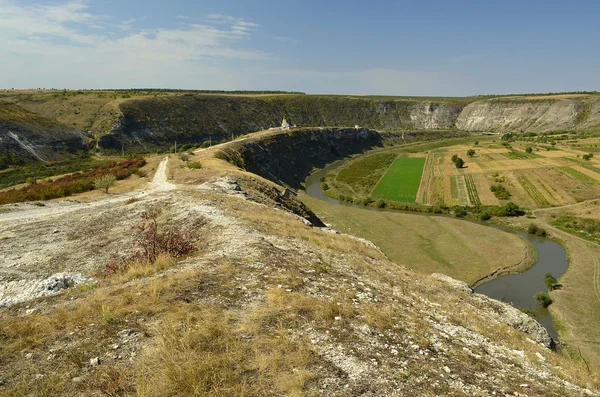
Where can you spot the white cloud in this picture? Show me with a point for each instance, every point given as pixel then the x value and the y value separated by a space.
pixel 53 45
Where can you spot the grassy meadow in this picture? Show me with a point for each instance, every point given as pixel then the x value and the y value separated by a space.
pixel 401 181
pixel 429 244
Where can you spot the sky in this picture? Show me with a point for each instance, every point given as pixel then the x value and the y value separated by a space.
pixel 412 48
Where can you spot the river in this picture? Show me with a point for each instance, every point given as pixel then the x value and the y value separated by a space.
pixel 516 289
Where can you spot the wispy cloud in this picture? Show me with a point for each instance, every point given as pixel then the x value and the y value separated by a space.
pixel 284 39
pixel 51 39
pixel 238 25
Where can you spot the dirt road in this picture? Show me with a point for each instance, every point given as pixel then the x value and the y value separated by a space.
pixel 30 211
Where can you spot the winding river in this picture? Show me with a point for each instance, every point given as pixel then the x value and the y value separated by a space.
pixel 516 289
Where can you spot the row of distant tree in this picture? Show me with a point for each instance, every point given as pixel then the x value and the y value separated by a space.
pixel 175 90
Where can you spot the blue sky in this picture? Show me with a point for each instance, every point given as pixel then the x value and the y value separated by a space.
pixel 346 47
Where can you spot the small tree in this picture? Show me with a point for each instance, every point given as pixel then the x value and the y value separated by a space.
pixel 476 143
pixel 460 212
pixel 471 152
pixel 528 149
pixel 105 181
pixel 454 158
pixel 459 163
pixel 550 281
pixel 484 216
pixel 543 298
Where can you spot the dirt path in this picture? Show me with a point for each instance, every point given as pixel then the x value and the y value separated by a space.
pixel 596 280
pixel 29 211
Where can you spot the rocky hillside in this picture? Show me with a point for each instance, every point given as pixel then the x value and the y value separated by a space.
pixel 264 305
pixel 194 118
pixel 287 157
pixel 28 135
pixel 145 122
pixel 535 115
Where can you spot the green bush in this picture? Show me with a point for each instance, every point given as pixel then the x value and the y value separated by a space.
pixel 485 216
pixel 532 228
pixel 510 209
pixel 550 281
pixel 543 298
pixel 380 203
pixel 460 212
pixel 105 182
pixel 324 186
pixel 196 165
pixel 500 192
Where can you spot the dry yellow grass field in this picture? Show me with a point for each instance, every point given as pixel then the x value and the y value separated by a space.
pixel 429 244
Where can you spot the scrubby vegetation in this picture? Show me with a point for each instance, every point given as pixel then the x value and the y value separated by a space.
pixel 105 182
pixel 37 170
pixel 536 230
pixel 151 243
pixel 550 281
pixel 78 182
pixel 543 298
pixel 584 227
pixel 500 192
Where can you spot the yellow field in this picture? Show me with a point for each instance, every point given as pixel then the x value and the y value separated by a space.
pixel 540 179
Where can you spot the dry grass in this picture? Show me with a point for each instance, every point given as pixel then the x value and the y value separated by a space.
pixel 428 244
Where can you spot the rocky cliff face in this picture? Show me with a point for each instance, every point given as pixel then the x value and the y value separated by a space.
pixel 146 123
pixel 540 115
pixel 161 121
pixel 27 135
pixel 289 156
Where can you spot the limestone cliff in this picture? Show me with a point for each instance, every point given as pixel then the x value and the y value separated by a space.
pixel 535 115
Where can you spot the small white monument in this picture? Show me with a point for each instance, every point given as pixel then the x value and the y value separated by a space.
pixel 285 125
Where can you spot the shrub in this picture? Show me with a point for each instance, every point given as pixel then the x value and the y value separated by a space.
pixel 470 152
pixel 454 158
pixel 366 201
pixel 459 163
pixel 150 243
pixel 460 212
pixel 105 182
pixel 550 281
pixel 184 156
pixel 196 165
pixel 205 144
pixel 485 216
pixel 543 298
pixel 380 203
pixel 476 143
pixel 510 209
pixel 532 228
pixel 500 192
pixel 324 186
pixel 528 149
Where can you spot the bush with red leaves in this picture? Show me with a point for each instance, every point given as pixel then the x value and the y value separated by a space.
pixel 150 243
pixel 77 182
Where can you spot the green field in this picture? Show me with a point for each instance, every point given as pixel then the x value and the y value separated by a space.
pixel 362 174
pixel 401 181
